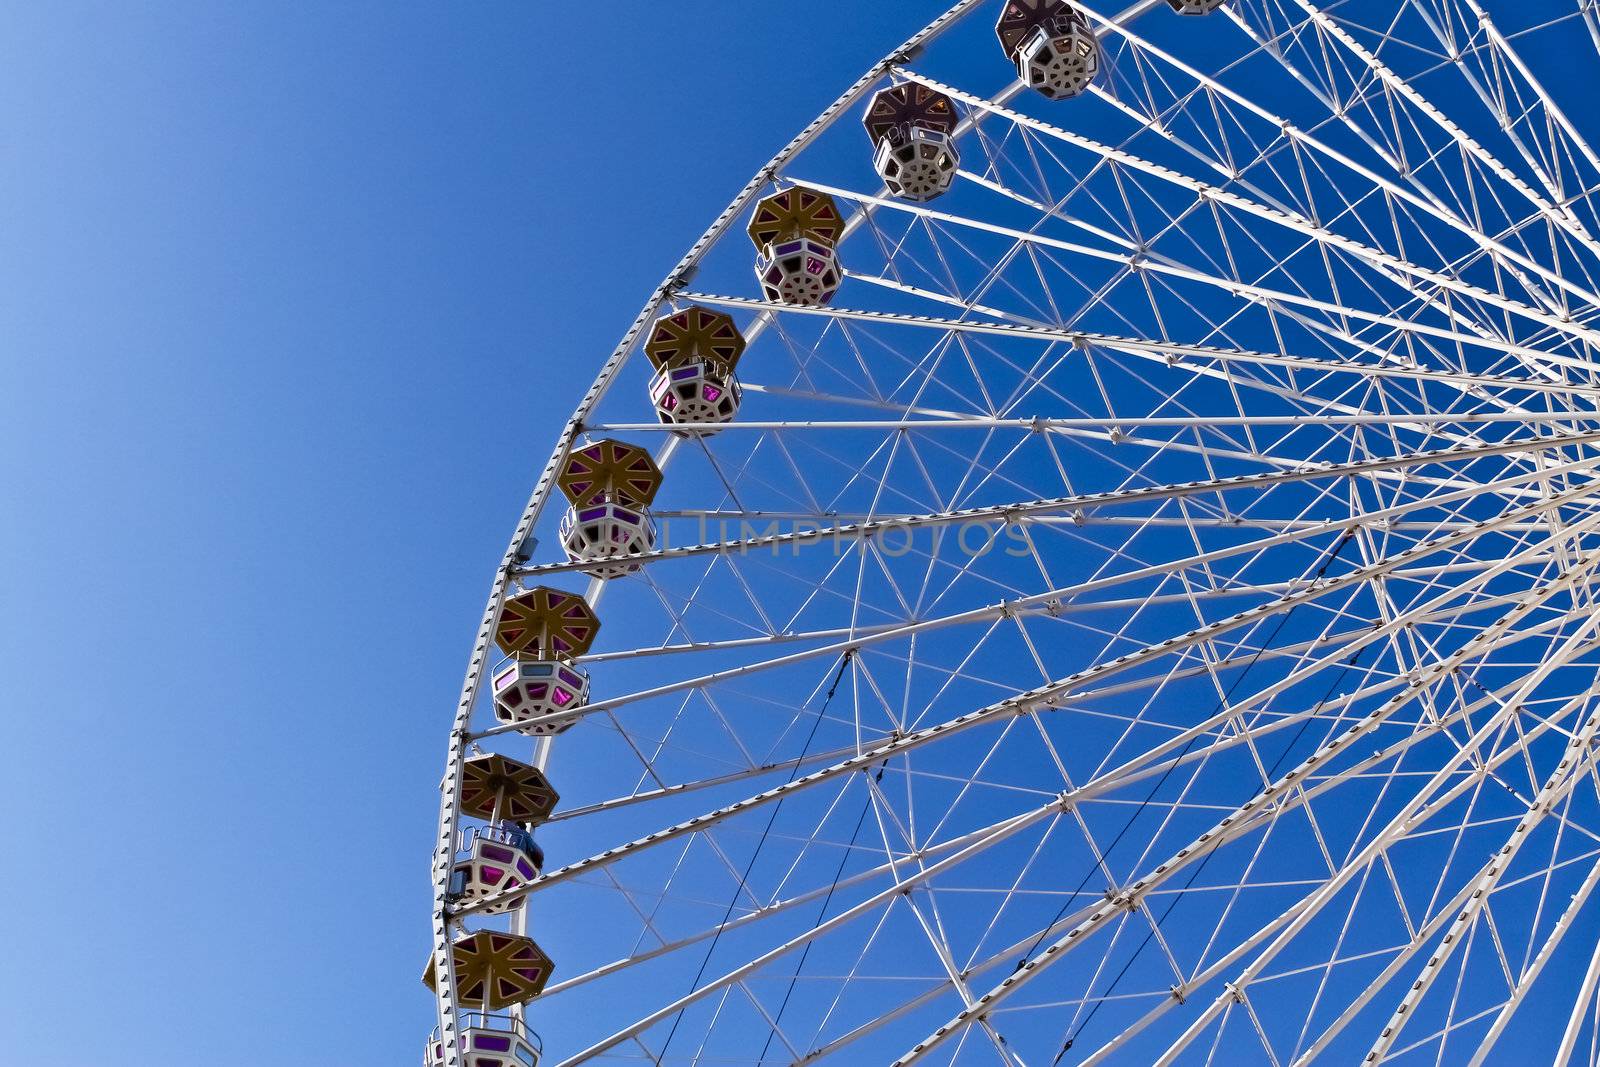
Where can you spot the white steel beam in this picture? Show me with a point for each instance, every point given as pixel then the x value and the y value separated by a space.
pixel 1259 810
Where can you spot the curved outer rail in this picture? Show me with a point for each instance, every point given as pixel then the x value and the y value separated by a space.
pixel 450 788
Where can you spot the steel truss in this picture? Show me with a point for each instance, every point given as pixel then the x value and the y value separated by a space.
pixel 1148 616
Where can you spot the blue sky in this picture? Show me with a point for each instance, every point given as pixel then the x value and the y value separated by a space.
pixel 293 304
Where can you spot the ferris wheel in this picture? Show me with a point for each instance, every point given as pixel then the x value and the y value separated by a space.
pixel 1091 559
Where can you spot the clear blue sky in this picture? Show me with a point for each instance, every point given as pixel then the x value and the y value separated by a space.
pixel 292 302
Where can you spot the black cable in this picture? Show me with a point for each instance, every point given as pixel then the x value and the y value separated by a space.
pixel 827 900
pixel 760 842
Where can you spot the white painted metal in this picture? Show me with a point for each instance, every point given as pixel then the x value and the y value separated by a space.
pixel 1275 362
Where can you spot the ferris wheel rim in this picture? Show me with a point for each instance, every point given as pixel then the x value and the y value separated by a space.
pixel 671 286
pixel 442 956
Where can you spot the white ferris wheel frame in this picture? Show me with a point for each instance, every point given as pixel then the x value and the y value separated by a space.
pixel 1539 364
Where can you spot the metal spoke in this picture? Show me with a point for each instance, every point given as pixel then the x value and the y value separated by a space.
pixel 1144 611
